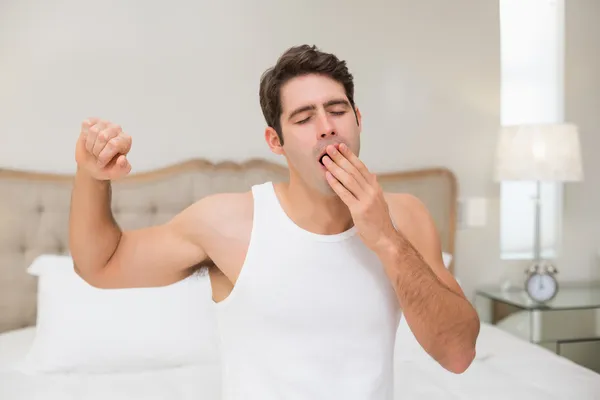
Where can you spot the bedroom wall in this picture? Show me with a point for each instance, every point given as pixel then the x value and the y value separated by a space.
pixel 183 82
pixel 582 102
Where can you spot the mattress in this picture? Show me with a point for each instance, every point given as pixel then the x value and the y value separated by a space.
pixel 506 367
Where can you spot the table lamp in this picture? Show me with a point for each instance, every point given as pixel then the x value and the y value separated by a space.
pixel 540 153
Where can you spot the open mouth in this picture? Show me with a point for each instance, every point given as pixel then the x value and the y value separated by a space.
pixel 321 158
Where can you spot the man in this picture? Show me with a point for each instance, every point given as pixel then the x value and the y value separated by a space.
pixel 309 276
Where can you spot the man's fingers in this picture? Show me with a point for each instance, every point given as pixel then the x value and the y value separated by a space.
pixel 92 134
pixel 84 130
pixel 356 162
pixel 115 146
pixel 90 139
pixel 107 154
pixel 87 124
pixel 347 166
pixel 344 194
pixel 105 141
pixel 123 164
pixel 101 141
pixel 85 127
pixel 92 120
pixel 343 177
pixel 108 133
pixel 119 167
pixel 102 149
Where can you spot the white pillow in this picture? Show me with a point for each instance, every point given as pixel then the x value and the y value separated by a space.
pixel 81 328
pixel 447 257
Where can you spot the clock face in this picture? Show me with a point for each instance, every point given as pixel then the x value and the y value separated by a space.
pixel 541 287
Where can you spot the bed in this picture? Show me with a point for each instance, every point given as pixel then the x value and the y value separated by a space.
pixel 34 224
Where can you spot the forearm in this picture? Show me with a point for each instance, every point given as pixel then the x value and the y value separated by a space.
pixel 93 233
pixel 443 321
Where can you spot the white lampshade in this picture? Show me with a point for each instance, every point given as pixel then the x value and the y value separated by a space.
pixel 543 152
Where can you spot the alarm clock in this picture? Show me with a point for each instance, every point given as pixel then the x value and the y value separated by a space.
pixel 541 284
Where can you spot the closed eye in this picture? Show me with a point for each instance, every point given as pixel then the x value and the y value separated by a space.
pixel 336 113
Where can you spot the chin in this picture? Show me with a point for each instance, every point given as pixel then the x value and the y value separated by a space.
pixel 323 188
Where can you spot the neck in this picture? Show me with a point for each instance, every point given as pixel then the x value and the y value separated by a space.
pixel 313 210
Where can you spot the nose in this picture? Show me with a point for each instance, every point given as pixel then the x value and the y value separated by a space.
pixel 325 135
pixel 325 128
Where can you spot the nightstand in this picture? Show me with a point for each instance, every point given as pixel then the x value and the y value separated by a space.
pixel 568 325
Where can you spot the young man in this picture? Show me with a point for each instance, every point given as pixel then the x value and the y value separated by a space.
pixel 309 276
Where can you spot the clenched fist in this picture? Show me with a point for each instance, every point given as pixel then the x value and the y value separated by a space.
pixel 102 150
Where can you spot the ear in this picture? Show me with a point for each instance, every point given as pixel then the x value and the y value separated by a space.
pixel 359 117
pixel 272 140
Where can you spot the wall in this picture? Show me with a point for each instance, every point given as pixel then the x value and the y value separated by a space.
pixel 183 82
pixel 582 102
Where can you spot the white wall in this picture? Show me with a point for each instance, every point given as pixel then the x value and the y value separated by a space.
pixel 182 78
pixel 582 106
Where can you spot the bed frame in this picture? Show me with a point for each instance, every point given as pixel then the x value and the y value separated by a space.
pixel 34 212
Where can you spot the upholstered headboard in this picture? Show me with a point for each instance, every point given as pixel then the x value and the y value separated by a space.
pixel 34 212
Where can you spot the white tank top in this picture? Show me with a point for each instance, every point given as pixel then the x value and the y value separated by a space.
pixel 310 317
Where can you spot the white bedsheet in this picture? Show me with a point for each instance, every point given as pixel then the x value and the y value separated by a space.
pixel 13 346
pixel 187 383
pixel 506 368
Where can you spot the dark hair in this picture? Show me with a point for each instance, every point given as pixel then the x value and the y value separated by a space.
pixel 297 61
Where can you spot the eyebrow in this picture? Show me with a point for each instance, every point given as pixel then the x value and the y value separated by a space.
pixel 329 103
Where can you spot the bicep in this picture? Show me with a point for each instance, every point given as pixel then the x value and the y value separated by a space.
pixel 155 256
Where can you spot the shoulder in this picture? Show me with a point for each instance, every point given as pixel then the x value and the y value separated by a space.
pixel 221 202
pixel 216 217
pixel 405 206
pixel 212 213
pixel 411 217
pixel 222 208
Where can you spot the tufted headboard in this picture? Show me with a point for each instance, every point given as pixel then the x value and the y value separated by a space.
pixel 34 212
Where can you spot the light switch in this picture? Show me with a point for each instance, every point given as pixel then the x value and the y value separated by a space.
pixel 475 211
